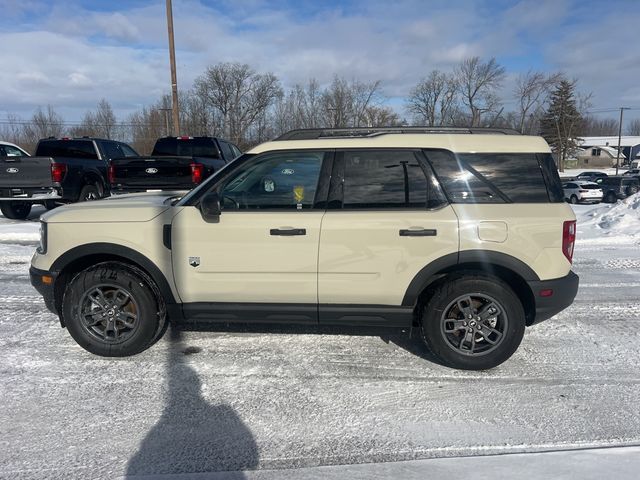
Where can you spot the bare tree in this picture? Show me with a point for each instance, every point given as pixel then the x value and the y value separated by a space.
pixel 239 94
pixel 100 123
pixel 634 127
pixel 478 83
pixel 434 100
pixel 44 123
pixel 344 104
pixel 532 92
pixel 592 126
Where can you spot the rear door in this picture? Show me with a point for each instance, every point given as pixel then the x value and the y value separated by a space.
pixel 387 219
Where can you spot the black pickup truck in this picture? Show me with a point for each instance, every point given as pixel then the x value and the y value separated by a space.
pixel 176 163
pixel 63 170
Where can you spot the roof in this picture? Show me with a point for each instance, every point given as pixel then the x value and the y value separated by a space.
pixel 478 142
pixel 625 141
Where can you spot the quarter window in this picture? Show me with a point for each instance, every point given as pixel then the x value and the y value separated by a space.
pixel 491 177
pixel 274 181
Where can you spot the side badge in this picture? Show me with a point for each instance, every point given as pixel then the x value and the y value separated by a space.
pixel 194 261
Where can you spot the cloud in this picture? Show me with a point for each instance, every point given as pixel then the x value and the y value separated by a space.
pixel 72 55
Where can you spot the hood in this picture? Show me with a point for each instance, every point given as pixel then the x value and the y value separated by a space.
pixel 135 207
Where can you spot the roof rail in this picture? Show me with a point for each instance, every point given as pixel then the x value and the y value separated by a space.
pixel 315 133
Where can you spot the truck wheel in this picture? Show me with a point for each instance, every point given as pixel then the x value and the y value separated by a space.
pixel 15 210
pixel 88 193
pixel 50 204
pixel 610 198
pixel 631 190
pixel 473 322
pixel 111 311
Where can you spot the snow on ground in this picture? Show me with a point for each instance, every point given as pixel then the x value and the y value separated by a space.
pixel 235 401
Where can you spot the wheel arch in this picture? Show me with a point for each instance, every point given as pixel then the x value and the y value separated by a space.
pixel 505 267
pixel 84 256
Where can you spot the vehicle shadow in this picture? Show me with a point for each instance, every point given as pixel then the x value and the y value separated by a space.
pixel 401 337
pixel 193 436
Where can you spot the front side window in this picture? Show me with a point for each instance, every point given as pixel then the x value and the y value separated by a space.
pixel 386 179
pixel 285 180
pixel 10 151
pixel 112 150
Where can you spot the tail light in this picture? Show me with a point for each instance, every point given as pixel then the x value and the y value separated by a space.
pixel 568 239
pixel 58 171
pixel 196 172
pixel 583 191
pixel 111 174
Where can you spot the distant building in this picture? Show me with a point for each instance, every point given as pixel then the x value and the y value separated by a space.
pixel 598 157
pixel 629 146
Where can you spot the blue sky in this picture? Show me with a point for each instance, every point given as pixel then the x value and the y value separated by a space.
pixel 70 54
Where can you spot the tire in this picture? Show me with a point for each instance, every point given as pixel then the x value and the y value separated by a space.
pixel 495 338
pixel 631 190
pixel 574 199
pixel 117 288
pixel 610 198
pixel 50 204
pixel 15 210
pixel 89 193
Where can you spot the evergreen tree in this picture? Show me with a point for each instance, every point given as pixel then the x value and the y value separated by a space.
pixel 561 121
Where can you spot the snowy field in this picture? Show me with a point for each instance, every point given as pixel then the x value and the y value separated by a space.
pixel 215 402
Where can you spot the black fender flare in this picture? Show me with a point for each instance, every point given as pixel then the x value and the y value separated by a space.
pixel 91 249
pixel 487 258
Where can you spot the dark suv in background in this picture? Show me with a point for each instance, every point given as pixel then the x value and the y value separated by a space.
pixel 618 187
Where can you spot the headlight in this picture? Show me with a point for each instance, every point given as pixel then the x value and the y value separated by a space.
pixel 42 246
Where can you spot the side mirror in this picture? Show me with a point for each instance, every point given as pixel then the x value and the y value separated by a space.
pixel 210 207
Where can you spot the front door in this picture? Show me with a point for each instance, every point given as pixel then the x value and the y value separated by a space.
pixel 264 249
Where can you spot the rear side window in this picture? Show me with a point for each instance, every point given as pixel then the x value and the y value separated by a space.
pixel 67 148
pixel 227 151
pixel 112 150
pixel 386 179
pixel 496 177
pixel 187 147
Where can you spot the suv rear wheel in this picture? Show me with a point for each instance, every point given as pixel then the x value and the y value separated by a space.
pixel 473 322
pixel 15 210
pixel 111 310
pixel 574 199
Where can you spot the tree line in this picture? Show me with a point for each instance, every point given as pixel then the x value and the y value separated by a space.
pixel 234 101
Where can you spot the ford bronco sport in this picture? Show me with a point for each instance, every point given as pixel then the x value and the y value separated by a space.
pixel 459 235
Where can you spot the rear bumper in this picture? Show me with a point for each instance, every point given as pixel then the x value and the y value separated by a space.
pixel 29 194
pixel 563 290
pixel 115 189
pixel 45 289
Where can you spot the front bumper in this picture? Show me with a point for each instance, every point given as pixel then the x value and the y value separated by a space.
pixel 563 292
pixel 47 290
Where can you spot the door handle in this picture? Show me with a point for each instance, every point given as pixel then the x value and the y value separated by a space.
pixel 288 232
pixel 419 232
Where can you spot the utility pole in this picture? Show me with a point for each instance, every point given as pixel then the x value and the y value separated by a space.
pixel 622 109
pixel 174 79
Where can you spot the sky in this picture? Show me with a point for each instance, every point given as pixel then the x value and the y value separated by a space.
pixel 70 54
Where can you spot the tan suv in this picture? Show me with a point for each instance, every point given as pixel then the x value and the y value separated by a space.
pixel 461 235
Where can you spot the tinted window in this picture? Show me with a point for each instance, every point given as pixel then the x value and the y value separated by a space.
pixel 112 150
pixel 283 181
pixel 493 177
pixel 227 151
pixel 67 148
pixel 236 151
pixel 127 150
pixel 188 147
pixel 386 179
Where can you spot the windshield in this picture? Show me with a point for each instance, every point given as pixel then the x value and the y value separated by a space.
pixel 204 186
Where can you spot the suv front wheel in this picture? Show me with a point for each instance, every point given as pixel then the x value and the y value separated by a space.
pixel 111 310
pixel 473 322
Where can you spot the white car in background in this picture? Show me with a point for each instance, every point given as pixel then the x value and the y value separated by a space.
pixel 11 150
pixel 582 192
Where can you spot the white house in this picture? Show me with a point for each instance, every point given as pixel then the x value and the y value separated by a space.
pixel 629 146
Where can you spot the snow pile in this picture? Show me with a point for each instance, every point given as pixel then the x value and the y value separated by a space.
pixel 610 224
pixel 21 233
